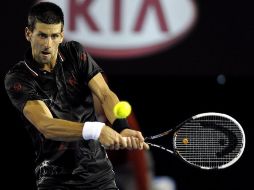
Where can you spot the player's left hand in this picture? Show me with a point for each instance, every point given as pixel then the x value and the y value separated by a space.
pixel 135 139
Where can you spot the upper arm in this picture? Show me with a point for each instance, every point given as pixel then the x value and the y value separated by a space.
pixel 37 113
pixel 108 99
pixel 99 86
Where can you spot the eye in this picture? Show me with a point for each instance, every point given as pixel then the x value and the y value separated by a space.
pixel 55 36
pixel 43 36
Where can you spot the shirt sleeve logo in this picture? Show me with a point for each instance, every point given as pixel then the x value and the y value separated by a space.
pixel 17 87
pixel 72 81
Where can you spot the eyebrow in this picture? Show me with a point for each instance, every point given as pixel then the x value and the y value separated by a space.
pixel 40 32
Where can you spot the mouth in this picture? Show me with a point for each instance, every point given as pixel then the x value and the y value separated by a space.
pixel 45 53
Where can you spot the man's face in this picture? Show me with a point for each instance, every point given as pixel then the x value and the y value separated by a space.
pixel 45 39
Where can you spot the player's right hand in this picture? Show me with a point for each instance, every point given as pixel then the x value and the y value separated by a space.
pixel 112 140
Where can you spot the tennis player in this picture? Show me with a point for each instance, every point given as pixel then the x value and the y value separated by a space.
pixel 52 89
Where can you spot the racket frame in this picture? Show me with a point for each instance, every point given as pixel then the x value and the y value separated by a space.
pixel 174 130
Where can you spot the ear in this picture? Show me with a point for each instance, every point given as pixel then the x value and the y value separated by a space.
pixel 28 34
pixel 62 37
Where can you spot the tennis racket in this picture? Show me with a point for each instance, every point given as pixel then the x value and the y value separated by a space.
pixel 207 140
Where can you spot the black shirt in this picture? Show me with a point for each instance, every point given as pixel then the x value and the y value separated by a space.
pixel 66 93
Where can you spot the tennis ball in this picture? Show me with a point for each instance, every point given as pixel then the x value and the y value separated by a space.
pixel 122 109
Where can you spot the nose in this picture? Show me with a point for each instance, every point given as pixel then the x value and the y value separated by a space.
pixel 48 42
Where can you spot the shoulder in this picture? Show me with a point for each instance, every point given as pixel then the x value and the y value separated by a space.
pixel 74 51
pixel 18 72
pixel 72 47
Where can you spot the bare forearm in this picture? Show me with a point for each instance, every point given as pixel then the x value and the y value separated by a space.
pixel 40 116
pixel 61 130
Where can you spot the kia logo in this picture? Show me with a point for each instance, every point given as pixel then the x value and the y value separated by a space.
pixel 127 28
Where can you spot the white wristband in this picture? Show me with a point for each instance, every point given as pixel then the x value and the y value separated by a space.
pixel 92 130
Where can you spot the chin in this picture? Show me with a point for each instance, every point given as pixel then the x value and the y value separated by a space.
pixel 45 61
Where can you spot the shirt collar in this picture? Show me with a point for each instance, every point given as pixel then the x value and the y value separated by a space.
pixel 32 65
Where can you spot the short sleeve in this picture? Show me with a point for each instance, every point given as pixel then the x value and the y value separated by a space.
pixel 87 66
pixel 20 90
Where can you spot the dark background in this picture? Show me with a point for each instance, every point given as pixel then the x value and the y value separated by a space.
pixel 164 89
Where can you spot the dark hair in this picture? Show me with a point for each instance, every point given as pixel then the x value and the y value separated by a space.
pixel 45 12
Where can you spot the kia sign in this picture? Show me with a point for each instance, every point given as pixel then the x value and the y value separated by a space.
pixel 127 28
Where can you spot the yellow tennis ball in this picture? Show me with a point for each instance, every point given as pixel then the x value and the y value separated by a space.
pixel 122 109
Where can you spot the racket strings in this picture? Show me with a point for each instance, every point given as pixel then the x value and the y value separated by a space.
pixel 209 141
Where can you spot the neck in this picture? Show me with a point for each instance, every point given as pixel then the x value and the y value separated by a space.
pixel 50 66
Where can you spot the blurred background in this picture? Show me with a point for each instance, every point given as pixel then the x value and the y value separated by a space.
pixel 171 59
